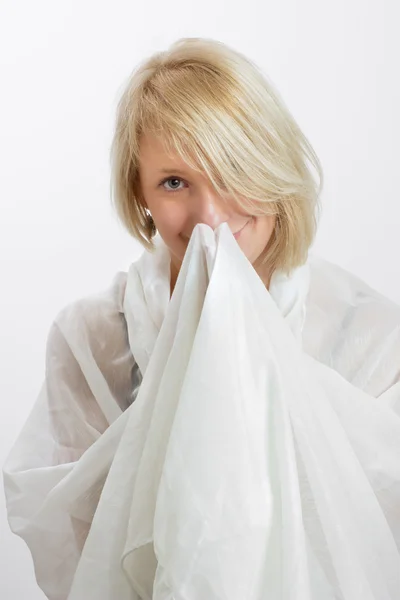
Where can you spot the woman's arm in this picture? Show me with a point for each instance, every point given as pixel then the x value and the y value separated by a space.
pixel 87 385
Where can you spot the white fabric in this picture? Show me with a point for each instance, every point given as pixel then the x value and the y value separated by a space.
pixel 258 459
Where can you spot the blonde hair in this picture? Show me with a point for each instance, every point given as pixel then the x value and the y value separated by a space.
pixel 215 108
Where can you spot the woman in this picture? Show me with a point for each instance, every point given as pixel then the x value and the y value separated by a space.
pixel 275 475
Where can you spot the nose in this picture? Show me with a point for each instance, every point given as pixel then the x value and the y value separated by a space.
pixel 209 208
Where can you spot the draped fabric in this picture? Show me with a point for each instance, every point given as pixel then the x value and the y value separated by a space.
pixel 227 443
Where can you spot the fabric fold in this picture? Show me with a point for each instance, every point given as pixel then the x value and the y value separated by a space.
pixel 245 468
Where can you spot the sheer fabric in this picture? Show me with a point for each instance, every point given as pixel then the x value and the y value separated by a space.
pixel 231 442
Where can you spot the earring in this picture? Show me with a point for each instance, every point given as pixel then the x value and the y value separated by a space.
pixel 152 225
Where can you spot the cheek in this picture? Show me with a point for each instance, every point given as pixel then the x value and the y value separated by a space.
pixel 170 220
pixel 267 228
pixel 262 231
pixel 260 236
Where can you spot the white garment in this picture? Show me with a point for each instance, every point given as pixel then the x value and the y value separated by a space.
pixel 254 461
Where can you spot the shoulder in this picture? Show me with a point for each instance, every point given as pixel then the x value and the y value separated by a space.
pixel 352 327
pixel 333 287
pixel 89 335
pixel 98 309
pixel 94 323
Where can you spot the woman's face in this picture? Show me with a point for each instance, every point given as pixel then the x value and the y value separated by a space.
pixel 179 198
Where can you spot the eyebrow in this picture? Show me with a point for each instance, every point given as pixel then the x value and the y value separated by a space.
pixel 172 171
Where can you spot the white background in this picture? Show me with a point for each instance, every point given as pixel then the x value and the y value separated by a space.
pixel 63 65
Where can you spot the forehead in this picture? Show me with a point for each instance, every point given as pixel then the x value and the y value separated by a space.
pixel 154 154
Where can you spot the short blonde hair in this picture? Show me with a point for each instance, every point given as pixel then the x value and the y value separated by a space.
pixel 215 108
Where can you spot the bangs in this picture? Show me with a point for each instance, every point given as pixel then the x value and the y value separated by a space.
pixel 211 106
pixel 202 121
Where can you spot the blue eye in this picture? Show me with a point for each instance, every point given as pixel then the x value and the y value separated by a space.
pixel 172 179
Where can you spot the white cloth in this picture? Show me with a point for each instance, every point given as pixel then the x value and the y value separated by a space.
pixel 257 459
